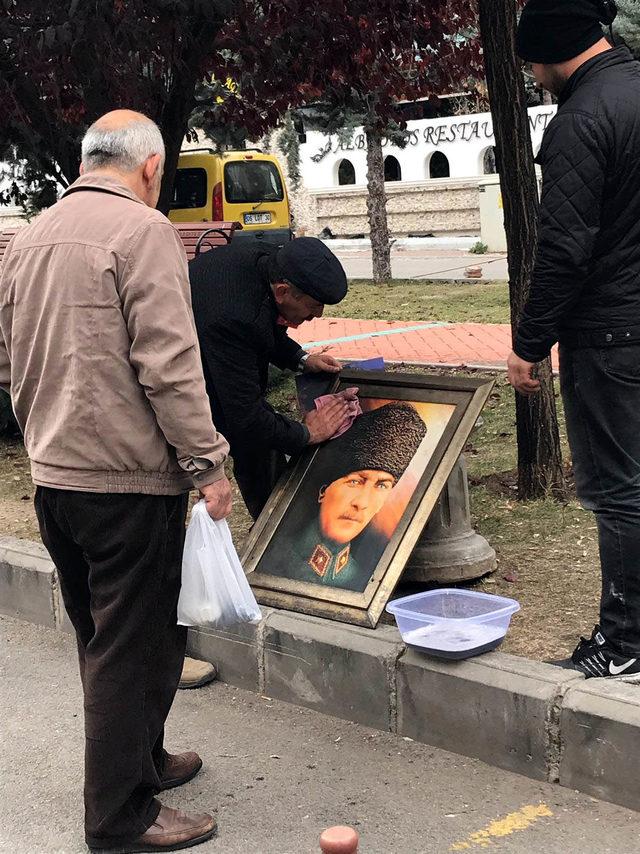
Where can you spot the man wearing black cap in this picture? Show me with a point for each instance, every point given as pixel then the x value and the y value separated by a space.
pixel 244 298
pixel 585 293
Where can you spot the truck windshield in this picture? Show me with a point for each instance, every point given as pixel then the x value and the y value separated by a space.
pixel 189 189
pixel 252 181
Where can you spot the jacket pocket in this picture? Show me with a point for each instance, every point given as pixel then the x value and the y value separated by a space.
pixel 622 362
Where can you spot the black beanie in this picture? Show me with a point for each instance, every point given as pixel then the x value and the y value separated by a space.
pixel 553 31
pixel 384 439
pixel 313 268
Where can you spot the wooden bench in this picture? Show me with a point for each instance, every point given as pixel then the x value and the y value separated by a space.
pixel 5 237
pixel 196 236
pixel 199 237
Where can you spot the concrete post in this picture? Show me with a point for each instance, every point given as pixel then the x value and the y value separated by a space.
pixel 449 550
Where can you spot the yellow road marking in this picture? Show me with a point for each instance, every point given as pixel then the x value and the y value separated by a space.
pixel 512 823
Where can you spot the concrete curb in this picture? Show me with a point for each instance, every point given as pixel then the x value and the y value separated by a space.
pixel 520 715
pixel 29 583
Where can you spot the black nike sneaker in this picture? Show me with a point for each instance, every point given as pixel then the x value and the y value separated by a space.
pixel 595 657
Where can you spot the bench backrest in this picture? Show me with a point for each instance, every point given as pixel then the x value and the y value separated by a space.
pixel 196 236
pixel 202 236
pixel 5 237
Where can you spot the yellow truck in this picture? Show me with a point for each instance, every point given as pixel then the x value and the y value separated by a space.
pixel 233 186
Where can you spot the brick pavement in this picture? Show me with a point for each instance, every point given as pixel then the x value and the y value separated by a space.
pixel 456 344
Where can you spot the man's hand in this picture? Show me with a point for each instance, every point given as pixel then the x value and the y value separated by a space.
pixel 520 375
pixel 218 499
pixel 317 363
pixel 323 423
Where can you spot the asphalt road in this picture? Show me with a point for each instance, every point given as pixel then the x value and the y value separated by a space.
pixel 276 775
pixel 424 264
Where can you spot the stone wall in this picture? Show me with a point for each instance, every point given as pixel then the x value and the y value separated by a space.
pixel 437 207
pixel 442 207
pixel 11 217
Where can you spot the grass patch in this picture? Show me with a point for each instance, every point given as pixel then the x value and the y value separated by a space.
pixel 493 448
pixel 407 299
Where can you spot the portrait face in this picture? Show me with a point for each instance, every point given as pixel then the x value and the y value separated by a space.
pixel 348 504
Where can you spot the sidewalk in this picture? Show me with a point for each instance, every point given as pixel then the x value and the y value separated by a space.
pixel 276 775
pixel 409 261
pixel 452 344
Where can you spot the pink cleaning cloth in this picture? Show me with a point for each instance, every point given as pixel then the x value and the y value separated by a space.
pixel 351 397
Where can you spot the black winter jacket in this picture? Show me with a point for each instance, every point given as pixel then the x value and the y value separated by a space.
pixel 236 319
pixel 587 271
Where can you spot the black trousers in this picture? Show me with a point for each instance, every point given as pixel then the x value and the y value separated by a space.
pixel 601 394
pixel 119 561
pixel 256 472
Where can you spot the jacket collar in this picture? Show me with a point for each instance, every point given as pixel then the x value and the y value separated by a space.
pixel 101 183
pixel 263 262
pixel 616 56
pixel 326 558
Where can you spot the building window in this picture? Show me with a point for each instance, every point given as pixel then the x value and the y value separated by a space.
pixel 439 165
pixel 392 170
pixel 346 173
pixel 489 162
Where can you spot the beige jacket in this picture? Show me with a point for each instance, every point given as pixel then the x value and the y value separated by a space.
pixel 99 351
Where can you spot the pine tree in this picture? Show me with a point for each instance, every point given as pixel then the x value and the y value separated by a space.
pixel 627 24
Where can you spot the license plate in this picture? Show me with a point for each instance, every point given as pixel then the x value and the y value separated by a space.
pixel 257 219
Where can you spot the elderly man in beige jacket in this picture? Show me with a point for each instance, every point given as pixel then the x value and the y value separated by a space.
pixel 99 351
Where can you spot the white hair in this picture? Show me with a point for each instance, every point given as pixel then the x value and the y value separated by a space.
pixel 124 148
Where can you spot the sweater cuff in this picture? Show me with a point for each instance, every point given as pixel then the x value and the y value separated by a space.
pixel 297 358
pixel 299 439
pixel 529 355
pixel 209 476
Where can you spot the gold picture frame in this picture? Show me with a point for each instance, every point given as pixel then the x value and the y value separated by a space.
pixel 456 403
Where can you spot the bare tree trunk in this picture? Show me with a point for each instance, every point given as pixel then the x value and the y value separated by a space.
pixel 173 124
pixel 181 100
pixel 377 208
pixel 539 455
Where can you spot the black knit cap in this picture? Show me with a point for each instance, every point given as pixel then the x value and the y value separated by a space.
pixel 313 268
pixel 384 439
pixel 553 31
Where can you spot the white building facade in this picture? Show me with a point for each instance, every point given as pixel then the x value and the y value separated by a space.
pixel 455 148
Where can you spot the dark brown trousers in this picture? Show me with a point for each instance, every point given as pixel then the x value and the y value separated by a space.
pixel 119 562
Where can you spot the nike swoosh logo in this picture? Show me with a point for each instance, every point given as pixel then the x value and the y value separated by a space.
pixel 616 671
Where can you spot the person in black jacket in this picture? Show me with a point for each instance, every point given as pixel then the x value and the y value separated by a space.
pixel 585 294
pixel 244 299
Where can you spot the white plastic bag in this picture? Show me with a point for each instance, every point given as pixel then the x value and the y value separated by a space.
pixel 215 591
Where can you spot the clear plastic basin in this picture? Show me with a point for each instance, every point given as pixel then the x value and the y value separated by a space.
pixel 453 623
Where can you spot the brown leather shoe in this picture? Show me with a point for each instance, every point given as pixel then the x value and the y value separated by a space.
pixel 179 768
pixel 196 673
pixel 172 830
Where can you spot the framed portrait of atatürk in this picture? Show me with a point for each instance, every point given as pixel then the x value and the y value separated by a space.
pixel 341 524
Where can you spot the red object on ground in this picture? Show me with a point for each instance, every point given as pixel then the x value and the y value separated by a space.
pixel 339 840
